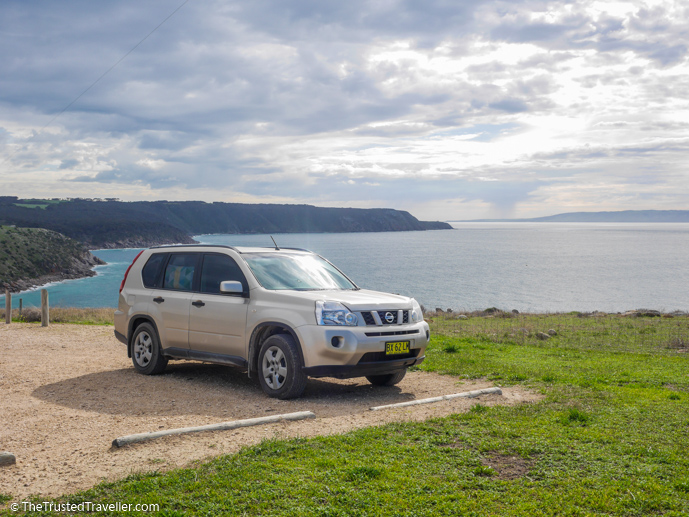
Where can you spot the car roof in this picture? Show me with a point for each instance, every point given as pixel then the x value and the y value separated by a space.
pixel 238 249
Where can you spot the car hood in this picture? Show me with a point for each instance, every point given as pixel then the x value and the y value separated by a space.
pixel 362 300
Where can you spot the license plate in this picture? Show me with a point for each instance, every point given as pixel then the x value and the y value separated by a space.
pixel 397 347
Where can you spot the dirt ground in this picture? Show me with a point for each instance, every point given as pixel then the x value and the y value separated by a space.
pixel 67 391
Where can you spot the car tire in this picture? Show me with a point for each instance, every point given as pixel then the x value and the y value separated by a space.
pixel 146 354
pixel 388 379
pixel 280 367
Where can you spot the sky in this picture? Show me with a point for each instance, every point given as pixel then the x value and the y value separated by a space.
pixel 450 109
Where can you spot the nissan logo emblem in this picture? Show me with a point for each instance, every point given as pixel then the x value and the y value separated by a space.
pixel 389 317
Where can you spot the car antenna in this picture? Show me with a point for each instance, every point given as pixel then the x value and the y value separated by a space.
pixel 276 244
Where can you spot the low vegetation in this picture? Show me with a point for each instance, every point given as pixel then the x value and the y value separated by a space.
pixel 27 253
pixel 609 437
pixel 635 331
pixel 104 316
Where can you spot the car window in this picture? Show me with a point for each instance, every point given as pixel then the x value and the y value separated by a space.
pixel 179 273
pixel 299 272
pixel 151 271
pixel 219 268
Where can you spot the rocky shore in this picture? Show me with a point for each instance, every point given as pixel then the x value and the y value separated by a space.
pixel 81 267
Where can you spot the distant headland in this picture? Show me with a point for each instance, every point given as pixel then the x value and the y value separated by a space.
pixel 625 216
pixel 111 223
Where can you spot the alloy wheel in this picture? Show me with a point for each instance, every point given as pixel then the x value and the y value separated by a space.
pixel 274 368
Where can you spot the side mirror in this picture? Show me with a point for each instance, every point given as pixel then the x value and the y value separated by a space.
pixel 231 287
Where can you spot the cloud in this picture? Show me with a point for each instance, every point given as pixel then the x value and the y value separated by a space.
pixel 652 33
pixel 509 105
pixel 397 103
pixel 68 164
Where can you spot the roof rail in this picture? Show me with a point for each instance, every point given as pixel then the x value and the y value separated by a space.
pixel 193 246
pixel 164 246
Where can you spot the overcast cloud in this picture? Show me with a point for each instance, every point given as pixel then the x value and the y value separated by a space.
pixel 450 109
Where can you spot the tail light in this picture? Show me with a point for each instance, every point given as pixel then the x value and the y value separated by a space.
pixel 127 272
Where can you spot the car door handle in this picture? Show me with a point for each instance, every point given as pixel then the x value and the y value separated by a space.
pixel 198 303
pixel 159 299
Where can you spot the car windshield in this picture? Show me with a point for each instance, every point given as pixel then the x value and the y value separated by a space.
pixel 292 271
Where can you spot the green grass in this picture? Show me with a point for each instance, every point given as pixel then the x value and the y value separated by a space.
pixel 594 331
pixel 37 203
pixel 608 438
pixel 25 205
pixel 104 316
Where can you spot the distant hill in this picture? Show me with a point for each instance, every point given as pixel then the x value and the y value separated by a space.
pixel 33 256
pixel 115 224
pixel 626 216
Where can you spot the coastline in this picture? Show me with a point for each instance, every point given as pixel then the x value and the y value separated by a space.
pixel 82 267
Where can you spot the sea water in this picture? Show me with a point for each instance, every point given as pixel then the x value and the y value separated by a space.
pixel 536 267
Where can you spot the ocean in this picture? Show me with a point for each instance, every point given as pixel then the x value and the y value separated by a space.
pixel 531 267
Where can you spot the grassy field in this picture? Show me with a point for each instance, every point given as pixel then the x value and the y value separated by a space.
pixel 609 438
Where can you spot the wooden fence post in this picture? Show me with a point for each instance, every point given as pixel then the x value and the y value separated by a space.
pixel 45 311
pixel 8 307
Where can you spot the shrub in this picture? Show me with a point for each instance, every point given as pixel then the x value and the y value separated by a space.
pixel 31 315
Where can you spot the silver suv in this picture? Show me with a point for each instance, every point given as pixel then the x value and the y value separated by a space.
pixel 281 314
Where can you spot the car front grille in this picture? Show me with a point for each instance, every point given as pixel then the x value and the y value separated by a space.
pixel 368 318
pixel 390 317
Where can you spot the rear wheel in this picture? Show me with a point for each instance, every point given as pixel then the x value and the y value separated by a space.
pixel 146 354
pixel 280 368
pixel 388 379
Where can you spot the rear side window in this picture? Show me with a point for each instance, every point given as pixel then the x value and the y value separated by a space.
pixel 151 271
pixel 219 268
pixel 180 270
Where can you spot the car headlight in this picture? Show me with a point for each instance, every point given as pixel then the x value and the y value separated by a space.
pixel 416 312
pixel 334 313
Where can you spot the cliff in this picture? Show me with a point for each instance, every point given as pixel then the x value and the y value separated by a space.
pixel 30 257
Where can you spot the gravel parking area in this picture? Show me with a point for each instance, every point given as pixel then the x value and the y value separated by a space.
pixel 69 390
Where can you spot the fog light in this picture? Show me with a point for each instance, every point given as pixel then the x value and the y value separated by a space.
pixel 428 334
pixel 337 341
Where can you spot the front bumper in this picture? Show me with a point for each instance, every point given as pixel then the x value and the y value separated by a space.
pixel 345 352
pixel 362 369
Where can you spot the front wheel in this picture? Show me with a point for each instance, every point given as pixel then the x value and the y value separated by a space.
pixel 280 368
pixel 146 354
pixel 388 379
